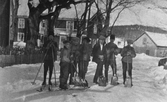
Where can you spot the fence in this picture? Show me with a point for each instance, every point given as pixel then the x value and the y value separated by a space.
pixel 8 60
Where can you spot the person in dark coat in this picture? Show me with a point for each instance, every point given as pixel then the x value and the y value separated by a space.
pixel 84 57
pixel 74 58
pixel 110 59
pixel 98 54
pixel 64 65
pixel 50 50
pixel 128 53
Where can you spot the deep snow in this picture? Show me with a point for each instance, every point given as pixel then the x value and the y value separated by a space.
pixel 150 84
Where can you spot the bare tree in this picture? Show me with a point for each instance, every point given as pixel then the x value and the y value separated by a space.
pixel 15 6
pixel 52 16
pixel 109 6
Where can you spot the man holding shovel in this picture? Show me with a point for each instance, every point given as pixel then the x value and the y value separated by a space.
pixel 110 59
pixel 128 53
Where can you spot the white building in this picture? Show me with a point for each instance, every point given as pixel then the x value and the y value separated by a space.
pixel 153 44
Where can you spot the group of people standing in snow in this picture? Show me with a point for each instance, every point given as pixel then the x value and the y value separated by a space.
pixel 75 57
pixel 105 54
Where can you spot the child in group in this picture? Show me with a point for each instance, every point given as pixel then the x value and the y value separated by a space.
pixel 50 49
pixel 64 65
pixel 110 59
pixel 84 58
pixel 128 53
pixel 98 53
pixel 74 58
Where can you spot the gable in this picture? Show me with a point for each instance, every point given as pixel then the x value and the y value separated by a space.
pixel 144 40
pixel 158 38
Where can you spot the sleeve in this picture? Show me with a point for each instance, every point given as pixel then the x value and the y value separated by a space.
pixel 44 46
pixel 123 52
pixel 61 53
pixel 55 51
pixel 133 53
pixel 116 50
pixel 94 50
pixel 89 49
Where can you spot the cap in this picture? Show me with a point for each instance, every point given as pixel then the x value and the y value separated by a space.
pixel 51 37
pixel 51 33
pixel 101 37
pixel 112 37
pixel 75 38
pixel 87 39
pixel 66 41
pixel 129 41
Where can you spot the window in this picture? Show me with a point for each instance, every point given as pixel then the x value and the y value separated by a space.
pixel 144 41
pixel 43 23
pixel 147 52
pixel 69 26
pixel 43 27
pixel 60 24
pixel 75 24
pixel 95 29
pixel 21 23
pixel 20 36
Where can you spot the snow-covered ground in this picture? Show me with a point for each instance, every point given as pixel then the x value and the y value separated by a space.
pixel 150 84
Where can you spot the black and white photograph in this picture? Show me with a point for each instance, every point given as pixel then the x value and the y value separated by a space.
pixel 83 50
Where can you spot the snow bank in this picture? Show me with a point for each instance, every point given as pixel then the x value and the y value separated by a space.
pixel 18 86
pixel 144 56
pixel 160 76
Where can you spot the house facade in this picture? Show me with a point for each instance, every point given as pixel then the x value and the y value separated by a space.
pixel 153 44
pixel 64 28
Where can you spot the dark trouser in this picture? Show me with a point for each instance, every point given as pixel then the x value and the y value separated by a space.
pixel 113 66
pixel 83 67
pixel 64 73
pixel 124 66
pixel 48 64
pixel 73 68
pixel 99 71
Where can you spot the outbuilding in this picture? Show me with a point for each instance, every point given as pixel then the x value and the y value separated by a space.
pixel 151 43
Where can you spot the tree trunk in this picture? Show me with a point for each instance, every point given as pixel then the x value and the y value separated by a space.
pixel 107 19
pixel 33 23
pixel 14 19
pixel 4 22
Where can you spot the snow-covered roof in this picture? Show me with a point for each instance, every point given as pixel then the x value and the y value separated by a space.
pixel 158 38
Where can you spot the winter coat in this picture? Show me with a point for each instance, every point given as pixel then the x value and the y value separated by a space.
pixel 75 52
pixel 128 53
pixel 65 55
pixel 85 51
pixel 97 52
pixel 50 49
pixel 110 52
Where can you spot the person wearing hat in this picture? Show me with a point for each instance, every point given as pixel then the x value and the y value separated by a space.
pixel 128 53
pixel 64 65
pixel 74 57
pixel 84 57
pixel 110 59
pixel 50 51
pixel 98 53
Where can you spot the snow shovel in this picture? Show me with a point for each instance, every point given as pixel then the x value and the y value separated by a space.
pixel 128 81
pixel 114 78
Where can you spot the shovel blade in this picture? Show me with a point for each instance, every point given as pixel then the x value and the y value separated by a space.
pixel 128 82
